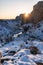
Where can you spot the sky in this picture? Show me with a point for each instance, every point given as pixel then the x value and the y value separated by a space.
pixel 11 8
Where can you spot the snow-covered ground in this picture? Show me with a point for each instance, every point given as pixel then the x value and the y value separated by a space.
pixel 26 48
pixel 20 53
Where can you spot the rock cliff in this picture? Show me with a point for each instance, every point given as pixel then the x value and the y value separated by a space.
pixel 37 13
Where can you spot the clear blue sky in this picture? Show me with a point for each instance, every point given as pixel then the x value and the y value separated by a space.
pixel 12 8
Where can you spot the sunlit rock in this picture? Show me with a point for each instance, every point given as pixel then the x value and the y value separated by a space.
pixel 37 13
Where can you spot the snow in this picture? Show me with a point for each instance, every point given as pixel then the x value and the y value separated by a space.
pixel 17 51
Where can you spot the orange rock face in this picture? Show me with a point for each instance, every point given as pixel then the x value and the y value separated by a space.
pixel 37 13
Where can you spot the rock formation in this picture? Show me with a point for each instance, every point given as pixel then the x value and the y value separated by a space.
pixel 35 16
pixel 37 13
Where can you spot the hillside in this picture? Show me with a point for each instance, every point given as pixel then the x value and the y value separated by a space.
pixel 21 40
